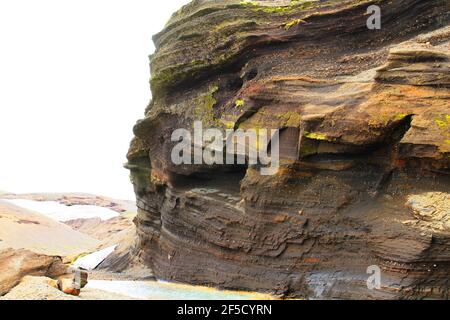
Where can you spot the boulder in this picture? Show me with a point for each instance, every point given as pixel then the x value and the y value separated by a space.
pixel 68 286
pixel 37 288
pixel 16 264
pixel 77 276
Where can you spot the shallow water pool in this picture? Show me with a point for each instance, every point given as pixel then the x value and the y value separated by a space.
pixel 152 290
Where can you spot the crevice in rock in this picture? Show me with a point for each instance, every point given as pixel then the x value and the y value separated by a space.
pixel 225 179
pixel 401 129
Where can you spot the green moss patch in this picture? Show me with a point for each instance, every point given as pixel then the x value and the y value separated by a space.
pixel 316 136
pixel 239 103
pixel 443 123
pixel 291 24
pixel 204 107
pixel 290 8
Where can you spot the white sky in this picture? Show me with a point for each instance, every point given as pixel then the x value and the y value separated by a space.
pixel 73 81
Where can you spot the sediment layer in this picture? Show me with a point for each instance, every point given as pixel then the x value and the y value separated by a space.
pixel 365 149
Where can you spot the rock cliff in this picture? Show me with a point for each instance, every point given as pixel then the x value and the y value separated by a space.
pixel 364 120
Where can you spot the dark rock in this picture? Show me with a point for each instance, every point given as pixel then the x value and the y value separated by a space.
pixel 367 114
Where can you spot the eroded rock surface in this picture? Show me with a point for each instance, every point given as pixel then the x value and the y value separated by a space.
pixel 16 264
pixel 365 138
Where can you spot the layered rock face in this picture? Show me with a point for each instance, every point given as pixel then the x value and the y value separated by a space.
pixel 364 120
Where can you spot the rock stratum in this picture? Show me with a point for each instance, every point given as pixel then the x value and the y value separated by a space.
pixel 365 149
